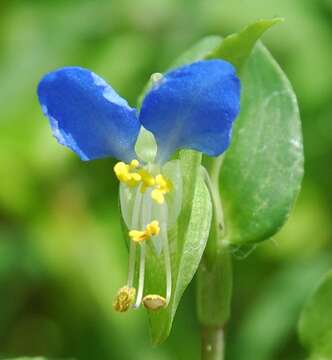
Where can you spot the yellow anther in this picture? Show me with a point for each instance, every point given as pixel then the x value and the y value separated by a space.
pixel 124 174
pixel 158 196
pixel 162 187
pixel 154 302
pixel 124 299
pixel 134 164
pixel 151 229
pixel 147 180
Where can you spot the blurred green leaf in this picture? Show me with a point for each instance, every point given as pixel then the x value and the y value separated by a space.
pixel 268 322
pixel 35 358
pixel 315 325
pixel 27 358
pixel 263 168
pixel 187 244
pixel 236 48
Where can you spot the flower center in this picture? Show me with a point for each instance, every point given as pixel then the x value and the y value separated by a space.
pixel 133 175
pixel 151 189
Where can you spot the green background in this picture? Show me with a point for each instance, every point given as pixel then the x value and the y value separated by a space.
pixel 62 256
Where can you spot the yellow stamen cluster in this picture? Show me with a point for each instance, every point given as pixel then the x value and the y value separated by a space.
pixel 147 180
pixel 124 173
pixel 162 187
pixel 132 176
pixel 151 229
pixel 124 299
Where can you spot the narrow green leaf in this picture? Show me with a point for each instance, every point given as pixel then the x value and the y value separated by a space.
pixel 236 48
pixel 315 325
pixel 263 168
pixel 187 243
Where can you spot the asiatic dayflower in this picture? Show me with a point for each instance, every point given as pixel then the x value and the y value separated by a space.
pixel 191 107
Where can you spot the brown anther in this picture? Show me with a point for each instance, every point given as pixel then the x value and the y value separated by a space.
pixel 124 299
pixel 154 302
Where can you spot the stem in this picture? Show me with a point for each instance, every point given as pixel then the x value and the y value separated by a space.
pixel 212 343
pixel 214 278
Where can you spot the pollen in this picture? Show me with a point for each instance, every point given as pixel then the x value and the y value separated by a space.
pixel 151 229
pixel 124 299
pixel 162 187
pixel 154 302
pixel 124 173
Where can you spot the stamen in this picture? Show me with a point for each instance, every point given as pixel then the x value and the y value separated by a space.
pixel 132 250
pixel 147 180
pixel 134 164
pixel 140 278
pixel 154 302
pixel 124 174
pixel 158 196
pixel 167 257
pixel 162 187
pixel 146 216
pixel 151 229
pixel 124 299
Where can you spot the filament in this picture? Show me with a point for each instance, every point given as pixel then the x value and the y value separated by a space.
pixel 167 257
pixel 132 249
pixel 141 278
pixel 145 219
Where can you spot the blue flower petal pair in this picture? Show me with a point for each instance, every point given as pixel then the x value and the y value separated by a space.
pixel 191 107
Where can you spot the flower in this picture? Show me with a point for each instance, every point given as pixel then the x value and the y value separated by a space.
pixel 191 107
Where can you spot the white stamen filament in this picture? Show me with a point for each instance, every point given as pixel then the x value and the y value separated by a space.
pixel 167 258
pixel 134 225
pixel 145 219
pixel 140 278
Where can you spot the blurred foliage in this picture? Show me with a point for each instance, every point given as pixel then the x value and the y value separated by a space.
pixel 61 252
pixel 315 325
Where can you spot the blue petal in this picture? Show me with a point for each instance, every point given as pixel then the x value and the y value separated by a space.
pixel 87 115
pixel 193 107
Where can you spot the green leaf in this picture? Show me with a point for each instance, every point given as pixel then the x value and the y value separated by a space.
pixel 263 168
pixel 315 325
pixel 200 51
pixel 236 48
pixel 187 242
